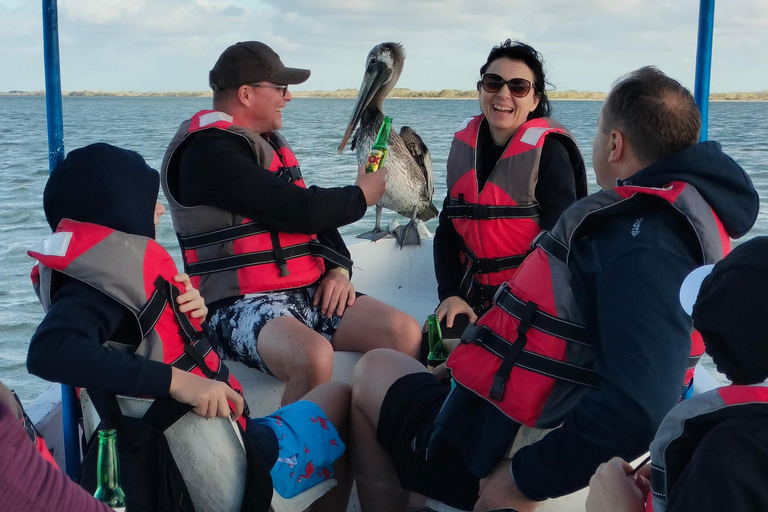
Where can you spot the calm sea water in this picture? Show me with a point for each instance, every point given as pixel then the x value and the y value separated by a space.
pixel 313 126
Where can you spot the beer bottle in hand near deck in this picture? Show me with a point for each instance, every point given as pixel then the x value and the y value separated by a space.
pixel 378 152
pixel 108 472
pixel 437 351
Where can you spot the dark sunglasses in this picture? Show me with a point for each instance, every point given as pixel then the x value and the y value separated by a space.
pixel 283 88
pixel 492 83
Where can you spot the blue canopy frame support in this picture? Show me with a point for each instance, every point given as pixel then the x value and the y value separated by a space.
pixel 704 62
pixel 69 405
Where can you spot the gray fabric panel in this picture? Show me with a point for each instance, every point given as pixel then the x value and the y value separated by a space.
pixel 121 252
pixel 517 176
pixel 698 212
pixel 461 158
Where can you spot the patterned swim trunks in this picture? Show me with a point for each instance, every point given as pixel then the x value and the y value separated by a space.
pixel 234 330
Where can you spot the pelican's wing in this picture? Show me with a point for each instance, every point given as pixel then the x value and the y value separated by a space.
pixel 421 155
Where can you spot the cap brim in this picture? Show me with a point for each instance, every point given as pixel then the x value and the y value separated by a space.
pixel 689 290
pixel 291 76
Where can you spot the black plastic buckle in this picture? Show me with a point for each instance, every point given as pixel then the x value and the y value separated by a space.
pixel 477 211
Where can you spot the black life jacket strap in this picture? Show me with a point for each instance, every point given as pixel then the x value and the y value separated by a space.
pixel 477 265
pixel 542 321
pixel 222 235
pixel 482 335
pixel 512 353
pixel 460 209
pixel 313 248
pixel 289 174
pixel 196 345
pixel 277 249
pixel 551 246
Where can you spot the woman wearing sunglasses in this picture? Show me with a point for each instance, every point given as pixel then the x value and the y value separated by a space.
pixel 511 172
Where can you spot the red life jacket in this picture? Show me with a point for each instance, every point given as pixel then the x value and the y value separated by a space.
pixel 530 355
pixel 498 223
pixel 137 273
pixel 228 255
pixel 686 425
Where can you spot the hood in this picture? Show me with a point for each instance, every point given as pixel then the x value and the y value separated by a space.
pixel 717 177
pixel 105 185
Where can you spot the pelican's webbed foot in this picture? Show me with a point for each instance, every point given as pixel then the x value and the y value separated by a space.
pixel 375 234
pixel 407 235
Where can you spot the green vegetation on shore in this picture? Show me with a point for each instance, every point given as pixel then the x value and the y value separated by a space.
pixel 396 93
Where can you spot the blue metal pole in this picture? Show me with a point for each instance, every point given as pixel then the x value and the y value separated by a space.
pixel 704 62
pixel 69 404
pixel 53 83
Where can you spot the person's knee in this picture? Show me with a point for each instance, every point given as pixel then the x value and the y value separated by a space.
pixel 405 334
pixel 315 359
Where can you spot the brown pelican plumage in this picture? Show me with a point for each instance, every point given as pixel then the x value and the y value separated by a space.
pixel 410 183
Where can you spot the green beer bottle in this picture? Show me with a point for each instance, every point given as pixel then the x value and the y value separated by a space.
pixel 108 472
pixel 378 152
pixel 437 351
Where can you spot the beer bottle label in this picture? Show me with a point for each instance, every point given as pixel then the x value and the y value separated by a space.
pixel 374 160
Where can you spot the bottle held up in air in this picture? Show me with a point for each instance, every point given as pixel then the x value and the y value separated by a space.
pixel 438 354
pixel 108 472
pixel 378 152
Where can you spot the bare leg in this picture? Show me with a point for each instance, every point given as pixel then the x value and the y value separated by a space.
pixel 376 233
pixel 334 398
pixel 377 481
pixel 371 324
pixel 296 354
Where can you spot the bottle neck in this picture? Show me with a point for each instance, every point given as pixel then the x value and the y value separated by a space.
pixel 108 469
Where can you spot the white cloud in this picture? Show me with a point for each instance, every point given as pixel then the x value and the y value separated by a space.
pixel 171 44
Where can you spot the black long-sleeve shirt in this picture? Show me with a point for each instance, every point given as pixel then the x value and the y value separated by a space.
pixel 555 192
pixel 219 169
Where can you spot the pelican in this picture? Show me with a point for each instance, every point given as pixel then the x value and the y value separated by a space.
pixel 410 182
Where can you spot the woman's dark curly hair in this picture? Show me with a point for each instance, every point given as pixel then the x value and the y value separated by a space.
pixel 516 50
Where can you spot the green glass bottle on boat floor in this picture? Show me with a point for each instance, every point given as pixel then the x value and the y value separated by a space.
pixel 437 351
pixel 378 152
pixel 108 472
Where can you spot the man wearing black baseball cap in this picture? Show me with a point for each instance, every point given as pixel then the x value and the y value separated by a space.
pixel 711 451
pixel 264 248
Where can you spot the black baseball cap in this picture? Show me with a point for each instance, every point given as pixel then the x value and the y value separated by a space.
pixel 251 62
pixel 731 311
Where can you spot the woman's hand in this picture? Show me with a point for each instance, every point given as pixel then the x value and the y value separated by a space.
pixel 452 306
pixel 613 489
pixel 210 398
pixel 190 301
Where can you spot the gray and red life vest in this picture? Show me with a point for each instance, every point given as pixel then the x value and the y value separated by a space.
pixel 530 355
pixel 685 426
pixel 498 223
pixel 228 255
pixel 137 273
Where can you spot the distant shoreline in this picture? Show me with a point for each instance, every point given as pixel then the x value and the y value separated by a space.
pixel 396 93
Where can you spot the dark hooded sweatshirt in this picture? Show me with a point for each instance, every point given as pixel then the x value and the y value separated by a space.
pixel 629 287
pixel 112 187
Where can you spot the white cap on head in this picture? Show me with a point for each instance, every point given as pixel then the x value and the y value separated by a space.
pixel 689 290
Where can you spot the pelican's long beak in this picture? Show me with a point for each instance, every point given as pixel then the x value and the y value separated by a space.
pixel 376 75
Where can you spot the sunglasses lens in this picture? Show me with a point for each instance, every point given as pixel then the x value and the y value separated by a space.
pixel 519 87
pixel 492 83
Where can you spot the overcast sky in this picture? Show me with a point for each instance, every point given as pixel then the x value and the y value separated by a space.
pixel 170 45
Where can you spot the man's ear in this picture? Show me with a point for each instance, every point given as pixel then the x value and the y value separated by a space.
pixel 616 146
pixel 244 95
